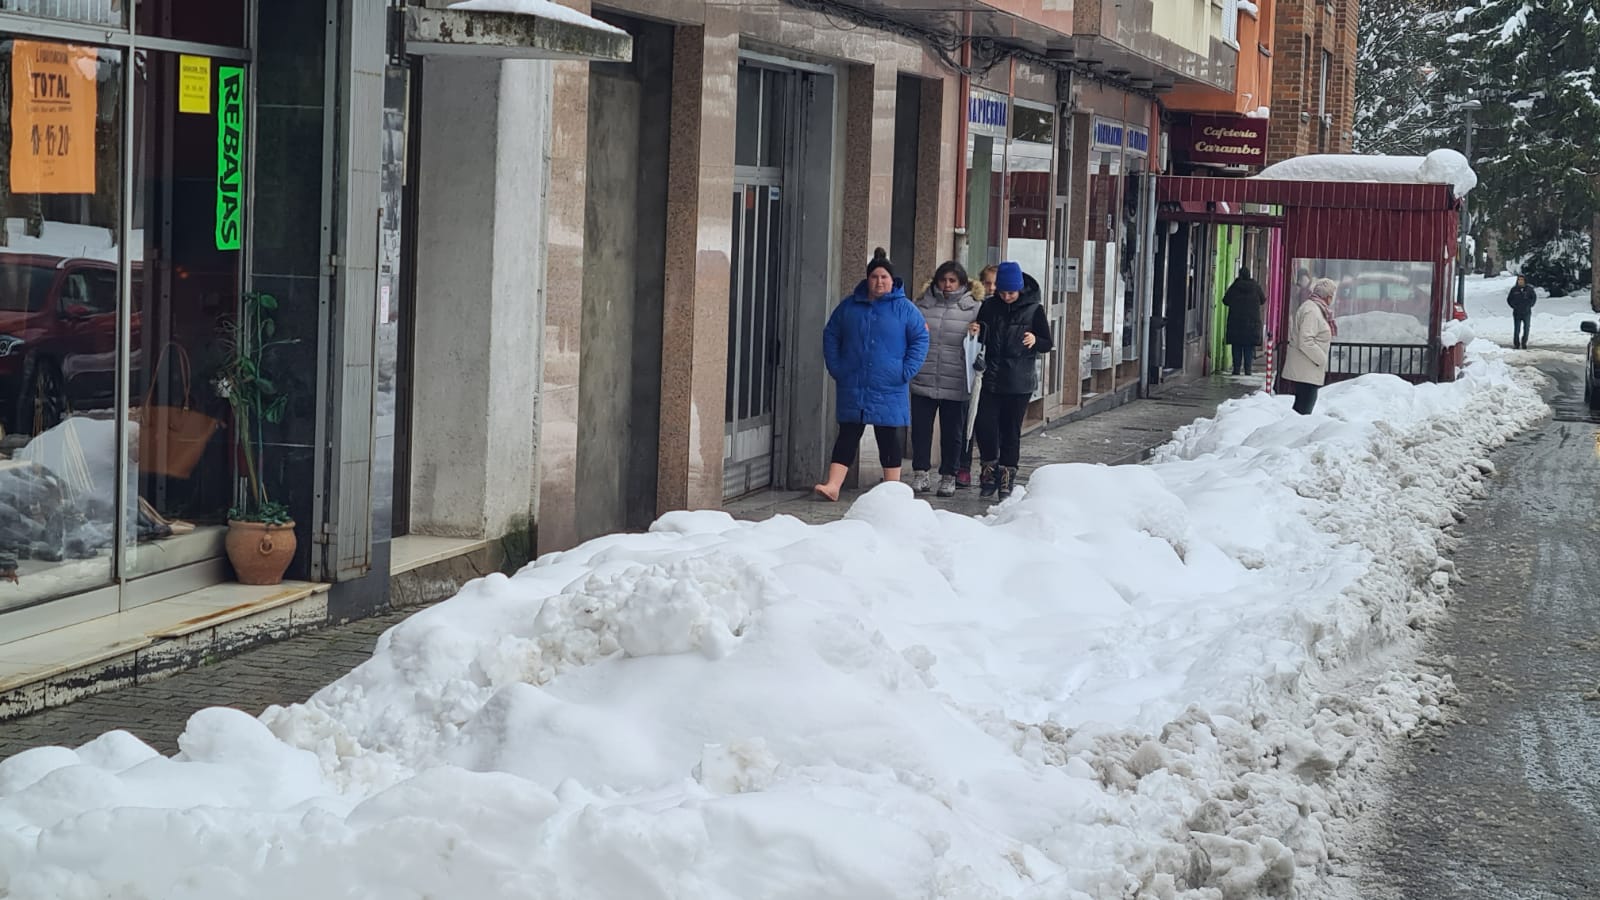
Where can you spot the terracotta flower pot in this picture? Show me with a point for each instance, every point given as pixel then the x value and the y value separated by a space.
pixel 260 552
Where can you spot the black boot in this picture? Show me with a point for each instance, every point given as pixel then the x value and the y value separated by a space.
pixel 1007 480
pixel 988 480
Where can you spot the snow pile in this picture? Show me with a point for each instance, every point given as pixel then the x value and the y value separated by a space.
pixel 1442 166
pixel 544 9
pixel 1380 327
pixel 1556 322
pixel 1153 681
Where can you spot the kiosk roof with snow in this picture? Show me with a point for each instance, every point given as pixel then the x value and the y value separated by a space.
pixel 1343 207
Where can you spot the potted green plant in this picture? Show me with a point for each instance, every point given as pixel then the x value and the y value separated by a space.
pixel 261 540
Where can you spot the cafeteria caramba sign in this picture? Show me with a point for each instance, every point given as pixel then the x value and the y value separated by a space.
pixel 1225 140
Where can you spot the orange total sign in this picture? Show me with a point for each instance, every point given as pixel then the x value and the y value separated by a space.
pixel 55 99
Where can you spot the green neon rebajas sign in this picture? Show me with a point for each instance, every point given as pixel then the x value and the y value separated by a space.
pixel 230 157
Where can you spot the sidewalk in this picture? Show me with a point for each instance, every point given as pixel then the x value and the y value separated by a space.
pixel 291 670
pixel 1118 436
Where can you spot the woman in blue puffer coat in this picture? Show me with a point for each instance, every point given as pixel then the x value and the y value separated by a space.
pixel 874 344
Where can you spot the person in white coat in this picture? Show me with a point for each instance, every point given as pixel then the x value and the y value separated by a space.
pixel 1310 338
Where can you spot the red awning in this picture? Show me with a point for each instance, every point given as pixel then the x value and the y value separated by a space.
pixel 1184 189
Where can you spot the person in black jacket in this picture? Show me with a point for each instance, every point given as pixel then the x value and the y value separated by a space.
pixel 1521 300
pixel 1015 333
pixel 1244 301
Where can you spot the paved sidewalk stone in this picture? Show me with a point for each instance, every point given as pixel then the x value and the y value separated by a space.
pixel 291 671
pixel 282 673
pixel 1117 436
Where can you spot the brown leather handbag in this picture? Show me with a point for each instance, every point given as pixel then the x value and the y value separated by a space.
pixel 172 438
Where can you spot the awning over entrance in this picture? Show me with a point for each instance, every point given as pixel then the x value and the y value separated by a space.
pixel 559 34
pixel 1325 219
pixel 1188 189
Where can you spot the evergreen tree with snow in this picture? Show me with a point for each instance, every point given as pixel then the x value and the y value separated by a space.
pixel 1532 63
pixel 1401 94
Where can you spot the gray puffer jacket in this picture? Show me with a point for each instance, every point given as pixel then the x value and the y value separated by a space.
pixel 944 374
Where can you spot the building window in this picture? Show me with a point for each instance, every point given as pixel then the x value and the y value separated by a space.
pixel 1230 22
pixel 98 12
pixel 1322 83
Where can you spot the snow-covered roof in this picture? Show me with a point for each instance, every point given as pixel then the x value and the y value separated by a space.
pixel 1439 167
pixel 544 9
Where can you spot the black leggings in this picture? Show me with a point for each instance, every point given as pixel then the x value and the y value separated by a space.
pixel 889 452
pixel 999 427
pixel 1305 397
pixel 952 422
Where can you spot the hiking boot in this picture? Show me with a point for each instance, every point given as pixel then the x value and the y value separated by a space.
pixel 1007 480
pixel 920 482
pixel 987 480
pixel 947 486
pixel 964 478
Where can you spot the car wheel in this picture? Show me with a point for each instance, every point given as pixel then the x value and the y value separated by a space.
pixel 42 400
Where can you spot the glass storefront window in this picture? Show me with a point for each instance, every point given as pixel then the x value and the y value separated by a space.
pixel 205 21
pixel 60 259
pixel 1382 310
pixel 1377 302
pixel 185 291
pixel 97 12
pixel 1028 180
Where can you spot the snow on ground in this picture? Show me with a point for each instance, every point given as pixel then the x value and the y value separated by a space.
pixel 1555 321
pixel 1154 681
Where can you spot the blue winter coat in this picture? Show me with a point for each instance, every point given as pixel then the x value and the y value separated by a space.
pixel 873 349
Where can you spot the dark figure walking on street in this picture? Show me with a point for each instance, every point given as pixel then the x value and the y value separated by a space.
pixel 1015 333
pixel 1244 301
pixel 1521 300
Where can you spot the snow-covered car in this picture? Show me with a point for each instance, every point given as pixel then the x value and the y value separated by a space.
pixel 1591 378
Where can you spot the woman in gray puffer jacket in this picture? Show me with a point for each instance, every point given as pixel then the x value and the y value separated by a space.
pixel 941 387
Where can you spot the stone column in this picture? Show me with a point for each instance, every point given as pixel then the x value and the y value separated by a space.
pixel 868 171
pixel 479 268
pixel 563 321
pixel 699 238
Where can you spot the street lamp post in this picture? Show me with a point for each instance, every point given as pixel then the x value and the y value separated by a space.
pixel 1468 107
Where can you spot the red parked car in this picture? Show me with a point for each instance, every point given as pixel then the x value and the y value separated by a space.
pixel 58 338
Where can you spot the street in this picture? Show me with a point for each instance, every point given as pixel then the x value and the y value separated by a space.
pixel 1504 801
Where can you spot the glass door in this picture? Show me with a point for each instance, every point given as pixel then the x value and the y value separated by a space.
pixel 185 243
pixel 61 255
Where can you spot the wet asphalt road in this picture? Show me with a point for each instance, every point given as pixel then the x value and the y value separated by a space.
pixel 1504 802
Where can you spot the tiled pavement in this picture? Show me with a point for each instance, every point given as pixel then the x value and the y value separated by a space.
pixel 1125 434
pixel 291 671
pixel 285 672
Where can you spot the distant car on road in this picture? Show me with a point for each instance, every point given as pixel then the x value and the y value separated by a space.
pixel 1591 377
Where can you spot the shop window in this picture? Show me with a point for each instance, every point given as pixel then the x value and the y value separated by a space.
pixel 1028 180
pixel 187 289
pixel 1380 309
pixel 98 12
pixel 205 21
pixel 60 216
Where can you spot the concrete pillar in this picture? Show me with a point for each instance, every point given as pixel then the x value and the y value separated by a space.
pixel 868 171
pixel 480 274
pixel 698 271
pixel 935 204
pixel 563 321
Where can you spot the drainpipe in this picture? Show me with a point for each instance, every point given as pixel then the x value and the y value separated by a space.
pixel 962 121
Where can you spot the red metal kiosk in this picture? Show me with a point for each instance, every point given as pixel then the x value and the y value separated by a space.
pixel 1391 247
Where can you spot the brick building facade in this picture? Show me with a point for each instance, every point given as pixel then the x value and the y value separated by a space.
pixel 1313 82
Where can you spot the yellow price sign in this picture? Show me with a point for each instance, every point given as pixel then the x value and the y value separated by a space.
pixel 194 84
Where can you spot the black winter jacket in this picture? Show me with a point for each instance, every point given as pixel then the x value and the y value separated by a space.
pixel 1009 367
pixel 1244 300
pixel 1522 298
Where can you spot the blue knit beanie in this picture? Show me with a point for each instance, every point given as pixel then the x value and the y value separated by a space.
pixel 1008 277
